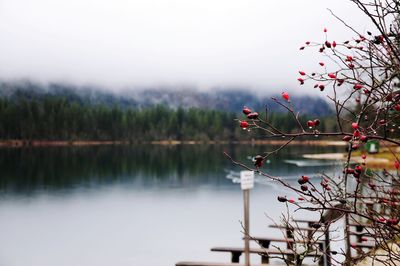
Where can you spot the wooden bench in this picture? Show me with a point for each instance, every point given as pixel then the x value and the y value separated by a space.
pixel 359 234
pixel 290 230
pixel 265 253
pixel 265 242
pixel 305 221
pixel 354 223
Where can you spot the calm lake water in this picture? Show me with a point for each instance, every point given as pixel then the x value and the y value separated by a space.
pixel 134 205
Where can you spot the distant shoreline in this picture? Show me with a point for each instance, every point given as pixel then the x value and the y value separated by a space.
pixel 57 143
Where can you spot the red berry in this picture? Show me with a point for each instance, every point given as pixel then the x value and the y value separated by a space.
pixel 382 122
pixel 253 115
pixel 282 199
pixel 346 138
pixel 358 86
pixel 332 75
pixel 364 138
pixel 317 122
pixel 310 123
pixel 354 125
pixel 291 201
pixel 301 198
pixel 328 44
pixel 321 87
pixel 392 221
pixel 246 110
pixel 363 156
pixel 397 164
pixel 349 58
pixel 397 107
pixel 356 133
pixel 258 161
pixel 364 238
pixel 302 73
pixel 307 42
pixel 304 187
pixel 285 96
pixel 350 171
pixel 302 48
pixel 325 30
pixel 334 44
pixel 321 63
pixel 244 124
pixel 305 178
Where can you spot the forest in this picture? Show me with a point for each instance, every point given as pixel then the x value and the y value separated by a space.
pixel 54 117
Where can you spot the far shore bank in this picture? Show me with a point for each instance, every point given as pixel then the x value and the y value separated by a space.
pixel 384 159
pixel 54 143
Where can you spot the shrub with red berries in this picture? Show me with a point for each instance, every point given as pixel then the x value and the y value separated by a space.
pixel 361 78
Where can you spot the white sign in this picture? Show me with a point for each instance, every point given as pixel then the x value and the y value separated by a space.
pixel 246 179
pixel 372 148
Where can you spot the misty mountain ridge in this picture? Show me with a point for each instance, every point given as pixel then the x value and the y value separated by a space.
pixel 231 100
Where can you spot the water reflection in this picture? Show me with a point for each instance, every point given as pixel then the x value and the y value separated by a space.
pixel 28 170
pixel 120 204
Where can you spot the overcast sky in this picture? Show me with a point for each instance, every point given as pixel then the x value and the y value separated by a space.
pixel 194 43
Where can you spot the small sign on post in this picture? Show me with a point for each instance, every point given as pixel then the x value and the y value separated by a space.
pixel 246 180
pixel 246 183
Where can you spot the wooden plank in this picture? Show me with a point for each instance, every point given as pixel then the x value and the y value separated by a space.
pixel 304 221
pixel 354 223
pixel 282 240
pixel 263 251
pixel 296 228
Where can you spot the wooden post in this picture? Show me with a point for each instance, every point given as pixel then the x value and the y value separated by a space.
pixel 246 200
pixel 347 239
pixel 327 256
pixel 246 183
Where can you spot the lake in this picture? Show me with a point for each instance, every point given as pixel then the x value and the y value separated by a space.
pixel 141 205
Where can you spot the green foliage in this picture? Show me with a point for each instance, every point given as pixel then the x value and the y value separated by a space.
pixel 57 118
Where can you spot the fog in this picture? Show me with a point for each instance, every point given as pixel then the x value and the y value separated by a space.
pixel 203 44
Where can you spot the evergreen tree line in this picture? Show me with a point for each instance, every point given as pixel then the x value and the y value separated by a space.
pixel 56 118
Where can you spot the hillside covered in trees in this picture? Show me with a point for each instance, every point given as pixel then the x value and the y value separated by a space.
pixel 34 114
